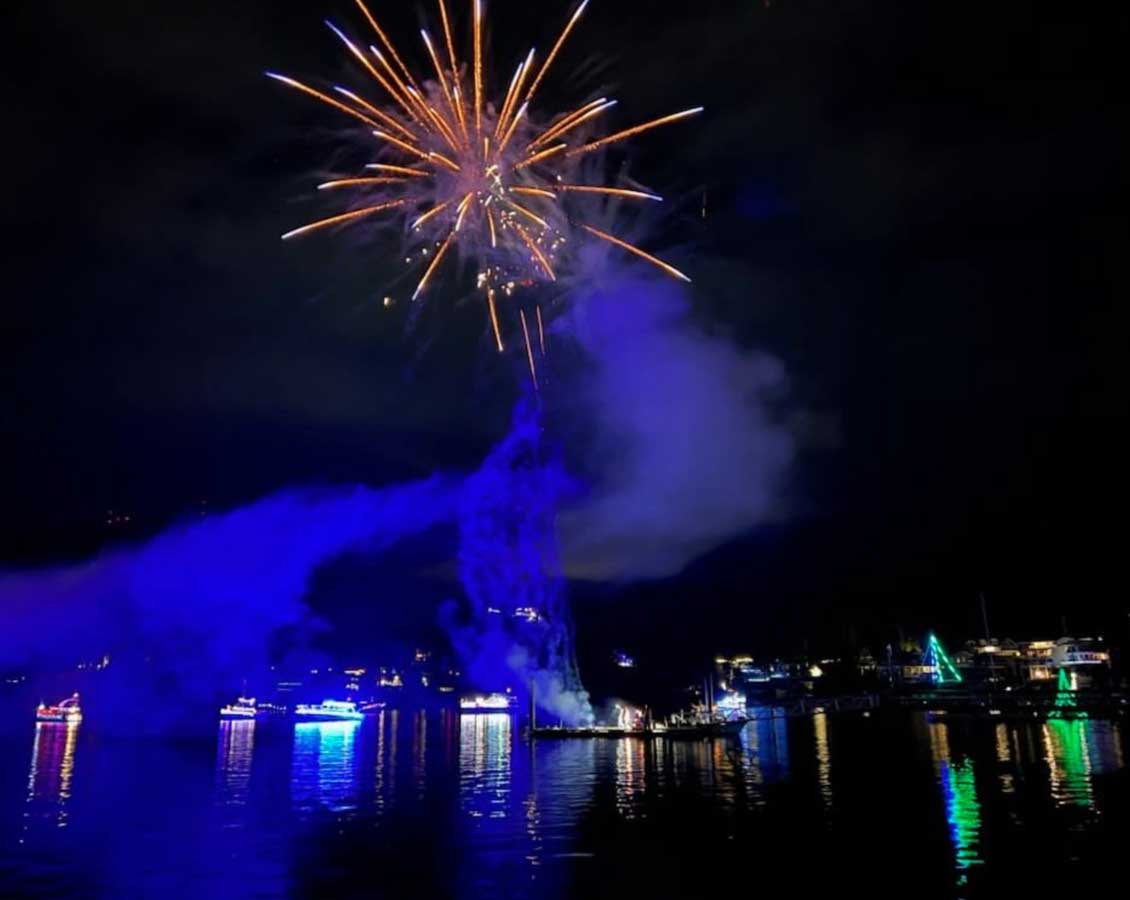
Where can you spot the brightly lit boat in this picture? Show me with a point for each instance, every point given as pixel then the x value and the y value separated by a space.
pixel 67 711
pixel 725 719
pixel 328 711
pixel 243 709
pixel 486 703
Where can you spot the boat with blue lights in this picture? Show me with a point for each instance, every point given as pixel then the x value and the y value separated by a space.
pixel 328 711
pixel 67 711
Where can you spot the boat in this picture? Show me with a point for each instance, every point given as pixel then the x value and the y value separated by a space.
pixel 724 719
pixel 244 709
pixel 705 720
pixel 328 711
pixel 701 721
pixel 487 703
pixel 67 711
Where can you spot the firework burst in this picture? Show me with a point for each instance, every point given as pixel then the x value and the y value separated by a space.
pixel 461 170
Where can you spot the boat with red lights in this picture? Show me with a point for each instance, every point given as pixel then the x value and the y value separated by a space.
pixel 67 711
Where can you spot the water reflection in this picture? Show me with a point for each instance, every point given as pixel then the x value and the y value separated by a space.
pixel 764 754
pixel 380 766
pixel 823 759
pixel 630 762
pixel 1076 750
pixel 1004 757
pixel 233 762
pixel 50 779
pixel 393 743
pixel 1069 767
pixel 959 792
pixel 500 811
pixel 323 769
pixel 484 764
pixel 420 751
pixel 531 811
pixel 563 781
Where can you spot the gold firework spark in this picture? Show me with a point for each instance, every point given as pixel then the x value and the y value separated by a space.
pixel 453 162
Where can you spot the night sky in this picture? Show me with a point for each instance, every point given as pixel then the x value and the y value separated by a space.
pixel 919 209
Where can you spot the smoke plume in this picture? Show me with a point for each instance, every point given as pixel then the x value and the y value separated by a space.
pixel 188 615
pixel 516 618
pixel 683 450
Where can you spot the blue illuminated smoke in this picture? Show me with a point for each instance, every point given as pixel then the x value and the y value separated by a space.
pixel 189 615
pixel 515 621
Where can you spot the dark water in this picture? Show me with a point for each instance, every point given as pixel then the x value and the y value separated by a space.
pixel 435 805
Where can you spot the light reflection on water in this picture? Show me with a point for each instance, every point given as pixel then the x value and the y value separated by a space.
pixel 630 775
pixel 823 759
pixel 323 773
pixel 765 755
pixel 233 763
pixel 420 751
pixel 393 742
pixel 1069 763
pixel 484 765
pixel 1076 750
pixel 959 793
pixel 52 772
pixel 513 817
pixel 1004 758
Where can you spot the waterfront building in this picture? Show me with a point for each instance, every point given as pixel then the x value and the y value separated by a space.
pixel 989 661
pixel 1036 663
pixel 906 664
pixel 1015 663
pixel 865 664
pixel 772 680
pixel 353 679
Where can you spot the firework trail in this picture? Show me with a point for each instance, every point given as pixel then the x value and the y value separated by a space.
pixel 460 170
